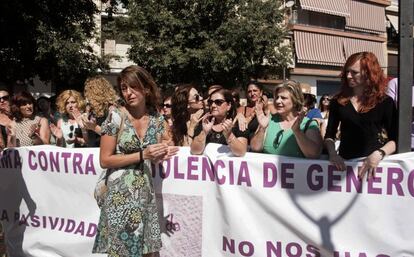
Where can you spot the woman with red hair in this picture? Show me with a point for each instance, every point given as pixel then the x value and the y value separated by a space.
pixel 367 116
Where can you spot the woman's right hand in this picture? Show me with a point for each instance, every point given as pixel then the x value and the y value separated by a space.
pixel 207 123
pixel 337 161
pixel 57 132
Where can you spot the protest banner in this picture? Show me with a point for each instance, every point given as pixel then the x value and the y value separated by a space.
pixel 215 205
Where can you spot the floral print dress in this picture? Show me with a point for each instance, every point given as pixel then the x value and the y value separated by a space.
pixel 128 224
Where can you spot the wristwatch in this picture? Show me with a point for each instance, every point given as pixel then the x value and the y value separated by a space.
pixel 382 152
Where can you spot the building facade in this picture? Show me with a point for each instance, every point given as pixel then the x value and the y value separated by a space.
pixel 325 33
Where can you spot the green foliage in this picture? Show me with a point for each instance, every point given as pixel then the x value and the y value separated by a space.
pixel 49 38
pixel 206 41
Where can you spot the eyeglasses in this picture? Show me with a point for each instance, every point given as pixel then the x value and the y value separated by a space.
pixel 4 98
pixel 218 102
pixel 72 128
pixel 196 99
pixel 326 98
pixel 166 105
pixel 278 139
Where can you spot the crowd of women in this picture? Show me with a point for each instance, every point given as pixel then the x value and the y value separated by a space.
pixel 137 128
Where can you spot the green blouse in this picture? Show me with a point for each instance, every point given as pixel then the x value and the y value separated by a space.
pixel 283 142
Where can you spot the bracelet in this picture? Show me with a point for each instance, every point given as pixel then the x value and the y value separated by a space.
pixel 382 152
pixel 141 156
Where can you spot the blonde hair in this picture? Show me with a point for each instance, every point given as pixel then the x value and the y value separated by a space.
pixel 295 91
pixel 100 94
pixel 63 98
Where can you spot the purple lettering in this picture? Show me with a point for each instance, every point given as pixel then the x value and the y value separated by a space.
pixel 395 181
pixel 80 229
pixel 62 222
pixel 269 174
pixel 70 226
pixel 35 221
pixel 332 177
pixel 65 157
pixel 244 175
pixel 312 249
pixel 33 166
pixel 272 249
pixel 362 255
pixel 90 168
pixel 54 161
pixel 285 175
pixel 228 245
pixel 53 222
pixel 376 179
pixel 42 160
pixel 4 216
pixel 207 169
pixel 23 220
pixel 192 167
pixel 177 174
pixel 231 173
pixel 91 230
pixel 77 161
pixel 221 180
pixel 352 179
pixel 250 248
pixel 318 184
pixel 292 252
pixel 410 183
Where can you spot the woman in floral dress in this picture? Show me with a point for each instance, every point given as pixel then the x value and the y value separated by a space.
pixel 132 137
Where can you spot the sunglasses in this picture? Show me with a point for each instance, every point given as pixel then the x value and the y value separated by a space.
pixel 166 105
pixel 196 99
pixel 217 102
pixel 4 98
pixel 326 98
pixel 71 127
pixel 278 139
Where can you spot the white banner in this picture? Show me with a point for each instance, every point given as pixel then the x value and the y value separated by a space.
pixel 215 205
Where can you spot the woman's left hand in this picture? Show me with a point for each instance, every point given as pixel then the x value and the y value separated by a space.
pixel 370 165
pixel 227 125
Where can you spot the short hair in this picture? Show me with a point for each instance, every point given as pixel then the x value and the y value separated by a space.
pixel 63 98
pixel 19 99
pixel 100 94
pixel 295 91
pixel 142 79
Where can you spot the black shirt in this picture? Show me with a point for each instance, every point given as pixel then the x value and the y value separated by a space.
pixel 361 133
pixel 218 137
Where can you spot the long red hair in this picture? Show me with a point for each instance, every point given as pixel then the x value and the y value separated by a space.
pixel 375 80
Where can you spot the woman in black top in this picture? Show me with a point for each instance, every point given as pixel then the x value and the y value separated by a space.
pixel 367 116
pixel 218 126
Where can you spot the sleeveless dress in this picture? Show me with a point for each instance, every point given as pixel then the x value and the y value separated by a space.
pixel 68 131
pixel 23 129
pixel 128 224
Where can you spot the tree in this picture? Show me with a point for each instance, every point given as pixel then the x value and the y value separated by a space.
pixel 49 39
pixel 206 41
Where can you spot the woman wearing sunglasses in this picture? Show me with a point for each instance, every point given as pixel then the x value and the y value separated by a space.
pixel 218 126
pixel 324 107
pixel 287 132
pixel 187 107
pixel 166 110
pixel 69 130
